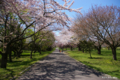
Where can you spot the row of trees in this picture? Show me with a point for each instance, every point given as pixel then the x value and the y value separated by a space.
pixel 19 17
pixel 98 28
pixel 41 41
pixel 68 39
pixel 33 44
pixel 101 25
pixel 65 39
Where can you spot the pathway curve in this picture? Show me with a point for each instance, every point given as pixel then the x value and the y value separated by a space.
pixel 59 66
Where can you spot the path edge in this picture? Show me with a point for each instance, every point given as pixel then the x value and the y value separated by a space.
pixel 104 75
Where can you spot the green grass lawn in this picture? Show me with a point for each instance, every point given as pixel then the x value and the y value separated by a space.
pixel 18 65
pixel 103 63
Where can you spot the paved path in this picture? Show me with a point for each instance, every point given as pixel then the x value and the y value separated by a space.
pixel 59 66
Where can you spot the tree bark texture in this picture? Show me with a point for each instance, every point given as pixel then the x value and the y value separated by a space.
pixel 10 56
pixel 114 53
pixel 79 49
pixel 71 48
pixel 4 60
pixel 31 54
pixel 99 50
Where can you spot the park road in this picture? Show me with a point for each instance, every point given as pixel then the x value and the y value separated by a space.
pixel 59 66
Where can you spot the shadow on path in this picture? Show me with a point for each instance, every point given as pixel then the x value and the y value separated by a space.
pixel 59 66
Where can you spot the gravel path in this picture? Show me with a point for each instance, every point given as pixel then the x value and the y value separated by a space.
pixel 59 66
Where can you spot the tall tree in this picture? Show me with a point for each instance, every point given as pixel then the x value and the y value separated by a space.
pixel 65 38
pixel 101 24
pixel 104 24
pixel 43 13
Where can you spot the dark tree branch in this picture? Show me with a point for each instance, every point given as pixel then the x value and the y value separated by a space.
pixel 17 38
pixel 6 23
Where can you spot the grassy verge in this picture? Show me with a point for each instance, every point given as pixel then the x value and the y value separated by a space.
pixel 18 65
pixel 67 49
pixel 103 63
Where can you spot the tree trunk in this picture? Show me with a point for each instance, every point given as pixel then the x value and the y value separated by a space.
pixel 31 54
pixel 114 53
pixel 40 50
pixel 71 48
pixel 83 50
pixel 10 56
pixel 4 60
pixel 79 49
pixel 34 52
pixel 90 55
pixel 108 48
pixel 4 57
pixel 18 54
pixel 99 50
pixel 14 53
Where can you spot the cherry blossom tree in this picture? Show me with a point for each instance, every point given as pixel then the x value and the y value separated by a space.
pixel 81 32
pixel 101 24
pixel 105 22
pixel 65 38
pixel 26 14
